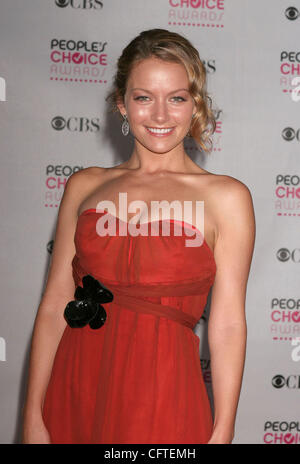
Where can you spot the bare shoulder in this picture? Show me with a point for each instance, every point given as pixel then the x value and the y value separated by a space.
pixel 81 182
pixel 232 205
pixel 87 174
pixel 227 190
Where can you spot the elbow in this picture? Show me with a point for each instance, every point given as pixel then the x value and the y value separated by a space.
pixel 227 332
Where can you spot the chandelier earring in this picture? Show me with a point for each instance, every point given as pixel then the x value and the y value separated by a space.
pixel 125 126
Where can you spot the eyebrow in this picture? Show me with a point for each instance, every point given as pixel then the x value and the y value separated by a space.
pixel 148 91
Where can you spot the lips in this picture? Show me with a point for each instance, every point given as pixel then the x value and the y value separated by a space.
pixel 160 131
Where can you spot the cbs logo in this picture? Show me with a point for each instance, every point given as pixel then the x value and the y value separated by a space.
pixel 75 124
pixel 292 13
pixel 50 246
pixel 292 381
pixel 80 4
pixel 284 255
pixel 290 134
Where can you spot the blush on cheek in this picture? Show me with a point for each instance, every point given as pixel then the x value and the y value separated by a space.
pixel 138 115
pixel 142 113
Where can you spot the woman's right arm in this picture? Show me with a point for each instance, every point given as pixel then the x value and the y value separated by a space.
pixel 49 322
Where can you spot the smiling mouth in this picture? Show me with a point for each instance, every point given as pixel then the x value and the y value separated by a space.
pixel 160 131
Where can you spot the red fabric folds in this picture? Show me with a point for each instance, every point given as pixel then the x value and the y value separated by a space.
pixel 138 378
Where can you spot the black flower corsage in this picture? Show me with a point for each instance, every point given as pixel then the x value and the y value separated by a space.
pixel 86 308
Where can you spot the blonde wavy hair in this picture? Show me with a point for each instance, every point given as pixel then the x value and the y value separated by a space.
pixel 169 46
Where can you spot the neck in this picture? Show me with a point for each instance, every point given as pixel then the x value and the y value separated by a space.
pixel 145 161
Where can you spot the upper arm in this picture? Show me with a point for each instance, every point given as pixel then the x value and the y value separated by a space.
pixel 233 253
pixel 60 285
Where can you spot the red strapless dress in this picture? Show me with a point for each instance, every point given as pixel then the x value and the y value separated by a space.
pixel 138 378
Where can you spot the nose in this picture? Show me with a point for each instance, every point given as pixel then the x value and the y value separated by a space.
pixel 160 112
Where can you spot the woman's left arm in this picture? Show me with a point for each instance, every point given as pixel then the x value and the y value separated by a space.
pixel 227 328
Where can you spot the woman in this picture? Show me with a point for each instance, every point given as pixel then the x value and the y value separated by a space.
pixel 132 374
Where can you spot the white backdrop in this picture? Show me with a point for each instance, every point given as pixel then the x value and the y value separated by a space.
pixel 57 61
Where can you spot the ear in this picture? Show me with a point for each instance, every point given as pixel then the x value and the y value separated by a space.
pixel 121 105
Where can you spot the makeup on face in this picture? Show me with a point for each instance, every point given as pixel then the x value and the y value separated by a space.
pixel 158 102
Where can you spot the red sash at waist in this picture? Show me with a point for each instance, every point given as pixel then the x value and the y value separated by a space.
pixel 145 306
pixel 130 296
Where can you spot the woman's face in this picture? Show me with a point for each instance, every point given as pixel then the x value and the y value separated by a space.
pixel 158 104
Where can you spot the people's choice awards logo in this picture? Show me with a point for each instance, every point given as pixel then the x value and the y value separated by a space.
pixel 281 432
pixel 78 60
pixel 190 145
pixel 290 73
pixel 287 193
pixel 285 319
pixel 56 179
pixel 196 13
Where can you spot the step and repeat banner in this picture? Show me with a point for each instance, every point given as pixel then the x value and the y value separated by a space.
pixel 57 61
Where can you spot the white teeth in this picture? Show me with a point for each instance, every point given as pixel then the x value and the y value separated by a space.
pixel 159 131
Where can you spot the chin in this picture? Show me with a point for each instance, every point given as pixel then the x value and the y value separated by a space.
pixel 159 147
pixel 162 151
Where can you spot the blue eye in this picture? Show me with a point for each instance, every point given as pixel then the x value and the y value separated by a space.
pixel 180 98
pixel 144 98
pixel 140 97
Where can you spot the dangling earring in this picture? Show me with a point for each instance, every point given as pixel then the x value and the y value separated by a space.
pixel 125 126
